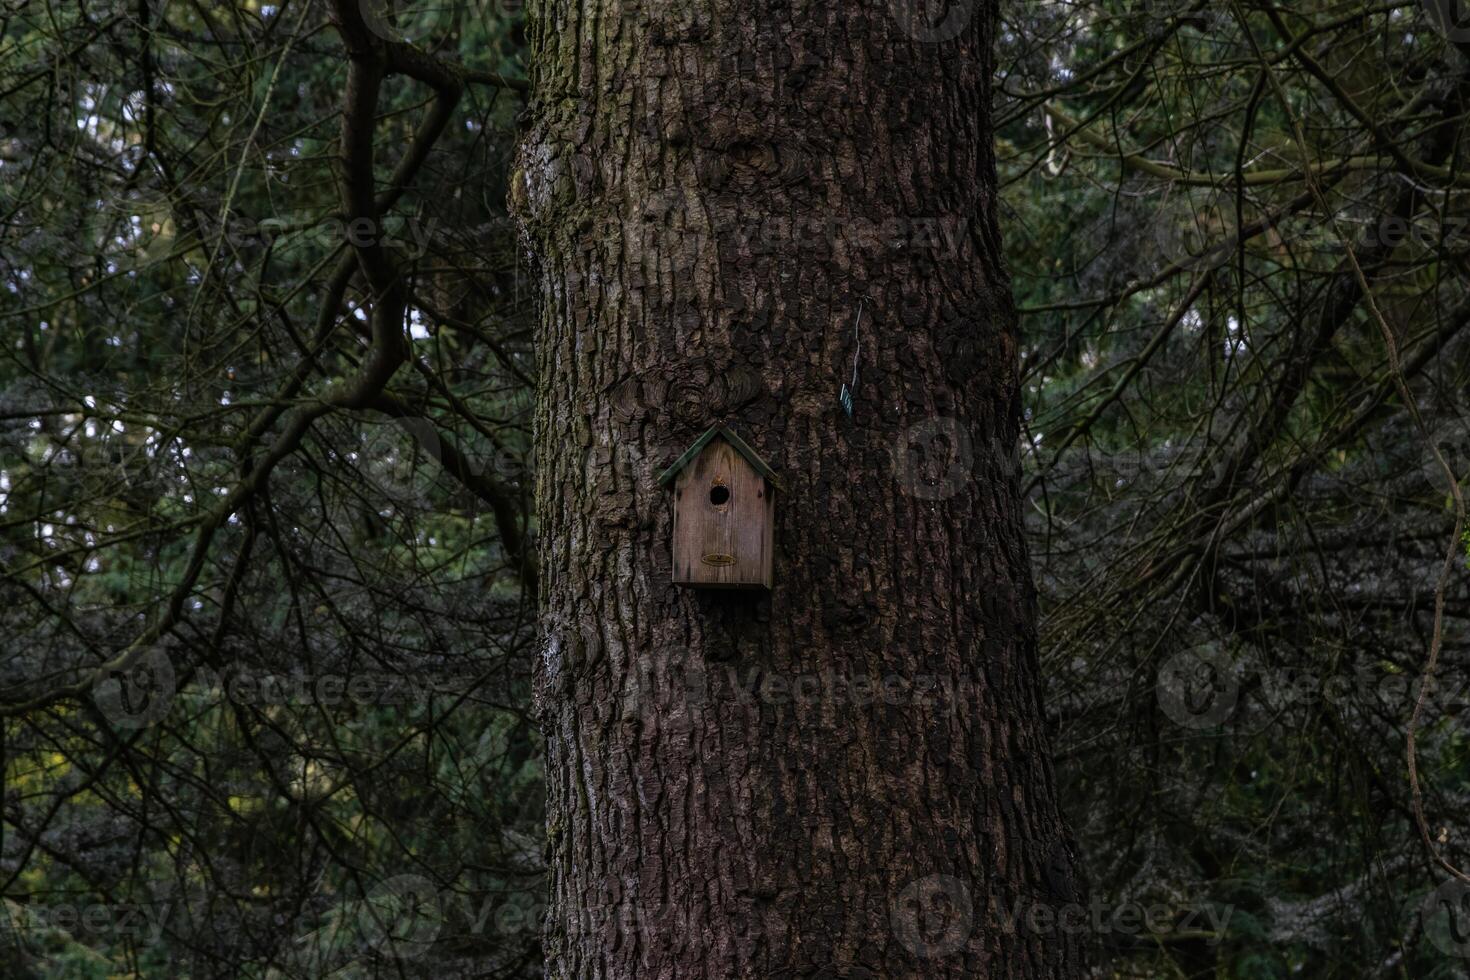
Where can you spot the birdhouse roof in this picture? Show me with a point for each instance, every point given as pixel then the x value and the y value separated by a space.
pixel 720 430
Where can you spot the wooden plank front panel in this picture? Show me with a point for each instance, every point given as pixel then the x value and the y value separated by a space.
pixel 705 534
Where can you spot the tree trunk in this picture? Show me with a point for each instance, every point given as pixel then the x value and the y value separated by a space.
pixel 847 776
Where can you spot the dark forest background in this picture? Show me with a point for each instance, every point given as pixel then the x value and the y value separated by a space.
pixel 261 693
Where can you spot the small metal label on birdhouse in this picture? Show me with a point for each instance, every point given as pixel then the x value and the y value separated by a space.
pixel 724 514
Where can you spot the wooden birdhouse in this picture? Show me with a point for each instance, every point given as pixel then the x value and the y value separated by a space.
pixel 724 514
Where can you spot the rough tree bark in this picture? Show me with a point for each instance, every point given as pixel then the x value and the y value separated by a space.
pixel 847 776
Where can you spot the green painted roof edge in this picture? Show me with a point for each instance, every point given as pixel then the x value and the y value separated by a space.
pixel 719 429
pixel 688 456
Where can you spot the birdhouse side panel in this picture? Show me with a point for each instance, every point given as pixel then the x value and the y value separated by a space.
pixel 723 516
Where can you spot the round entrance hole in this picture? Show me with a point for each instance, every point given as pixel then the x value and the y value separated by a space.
pixel 719 495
